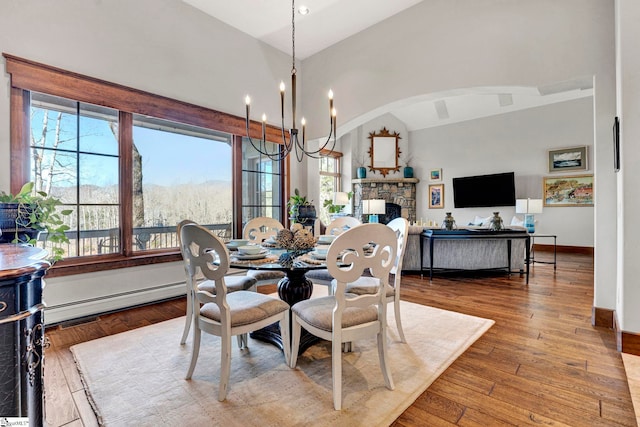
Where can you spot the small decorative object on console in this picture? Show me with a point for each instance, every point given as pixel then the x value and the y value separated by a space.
pixel 496 222
pixel 449 223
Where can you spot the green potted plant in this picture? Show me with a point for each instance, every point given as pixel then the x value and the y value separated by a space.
pixel 300 209
pixel 25 215
pixel 333 208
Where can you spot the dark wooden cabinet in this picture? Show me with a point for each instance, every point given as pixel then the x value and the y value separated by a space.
pixel 22 338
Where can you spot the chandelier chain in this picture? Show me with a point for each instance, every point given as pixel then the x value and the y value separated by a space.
pixel 293 34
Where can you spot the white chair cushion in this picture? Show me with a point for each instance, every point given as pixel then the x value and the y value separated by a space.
pixel 246 307
pixel 234 284
pixel 367 285
pixel 318 312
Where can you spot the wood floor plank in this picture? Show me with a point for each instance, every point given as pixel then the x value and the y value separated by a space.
pixel 60 408
pixel 84 407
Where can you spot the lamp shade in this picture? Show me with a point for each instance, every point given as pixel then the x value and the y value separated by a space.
pixel 373 206
pixel 529 206
pixel 377 206
pixel 366 207
pixel 340 198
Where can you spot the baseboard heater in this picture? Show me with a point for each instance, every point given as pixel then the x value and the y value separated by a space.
pixel 55 314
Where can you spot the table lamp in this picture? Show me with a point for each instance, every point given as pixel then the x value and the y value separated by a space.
pixel 528 207
pixel 372 208
pixel 340 198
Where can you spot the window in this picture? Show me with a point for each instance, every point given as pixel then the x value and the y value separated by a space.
pixel 131 165
pixel 179 171
pixel 74 151
pixel 261 190
pixel 330 178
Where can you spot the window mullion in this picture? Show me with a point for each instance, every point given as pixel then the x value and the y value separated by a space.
pixel 125 144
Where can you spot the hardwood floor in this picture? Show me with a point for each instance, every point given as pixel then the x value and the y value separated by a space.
pixel 541 363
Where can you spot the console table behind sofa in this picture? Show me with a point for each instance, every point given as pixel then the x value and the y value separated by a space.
pixel 473 249
pixel 468 254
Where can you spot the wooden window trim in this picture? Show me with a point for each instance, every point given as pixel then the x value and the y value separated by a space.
pixel 27 76
pixel 328 153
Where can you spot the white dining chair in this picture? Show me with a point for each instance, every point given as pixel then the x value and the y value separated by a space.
pixel 225 314
pixel 335 228
pixel 257 230
pixel 342 317
pixel 233 282
pixel 368 285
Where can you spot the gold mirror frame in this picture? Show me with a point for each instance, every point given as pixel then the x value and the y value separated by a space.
pixel 384 151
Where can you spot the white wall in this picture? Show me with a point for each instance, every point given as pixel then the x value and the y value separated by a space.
pixel 165 47
pixel 513 142
pixel 628 295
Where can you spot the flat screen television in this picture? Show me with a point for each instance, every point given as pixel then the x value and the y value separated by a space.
pixel 484 190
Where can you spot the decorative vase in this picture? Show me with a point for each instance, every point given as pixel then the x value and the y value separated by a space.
pixel 496 223
pixel 529 223
pixel 408 172
pixel 362 172
pixel 449 223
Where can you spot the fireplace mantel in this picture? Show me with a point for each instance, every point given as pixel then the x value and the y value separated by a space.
pixel 385 180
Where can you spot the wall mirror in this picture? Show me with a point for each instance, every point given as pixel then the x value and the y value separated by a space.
pixel 384 151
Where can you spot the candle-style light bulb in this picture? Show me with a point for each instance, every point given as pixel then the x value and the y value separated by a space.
pixel 303 122
pixel 247 100
pixel 281 86
pixel 264 118
pixel 330 101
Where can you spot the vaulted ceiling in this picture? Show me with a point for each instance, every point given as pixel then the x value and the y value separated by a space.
pixel 270 22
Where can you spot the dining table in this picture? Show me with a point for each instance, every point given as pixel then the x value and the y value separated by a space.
pixel 292 288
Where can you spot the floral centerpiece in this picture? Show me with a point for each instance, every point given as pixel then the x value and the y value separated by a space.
pixel 296 243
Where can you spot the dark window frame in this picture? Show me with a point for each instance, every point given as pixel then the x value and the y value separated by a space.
pixel 27 76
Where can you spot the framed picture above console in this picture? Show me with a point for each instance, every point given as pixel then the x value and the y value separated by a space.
pixel 576 190
pixel 436 196
pixel 568 159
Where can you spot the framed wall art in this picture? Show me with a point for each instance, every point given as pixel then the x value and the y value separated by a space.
pixel 568 159
pixel 435 175
pixel 436 196
pixel 574 190
pixel 616 145
pixel 384 151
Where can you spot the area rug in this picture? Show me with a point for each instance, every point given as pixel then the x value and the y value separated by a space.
pixel 137 377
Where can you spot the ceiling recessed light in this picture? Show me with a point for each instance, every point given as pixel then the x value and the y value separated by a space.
pixel 303 10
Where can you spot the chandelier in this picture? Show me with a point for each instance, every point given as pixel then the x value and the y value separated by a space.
pixel 294 143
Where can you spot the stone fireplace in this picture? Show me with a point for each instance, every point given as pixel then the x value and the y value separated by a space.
pixel 398 191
